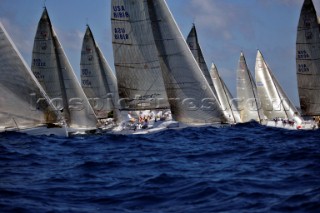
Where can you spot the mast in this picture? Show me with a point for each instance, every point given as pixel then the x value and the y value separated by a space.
pixel 253 84
pixel 62 85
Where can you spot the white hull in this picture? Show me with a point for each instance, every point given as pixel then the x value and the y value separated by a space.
pixel 161 126
pixel 306 125
pixel 156 127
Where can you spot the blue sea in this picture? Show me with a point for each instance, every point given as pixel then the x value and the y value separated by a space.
pixel 245 168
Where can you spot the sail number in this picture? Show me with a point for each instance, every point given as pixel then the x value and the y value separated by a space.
pixel 309 35
pixel 38 63
pixel 85 72
pixel 303 54
pixel 119 11
pixel 303 68
pixel 86 82
pixel 38 75
pixel 120 34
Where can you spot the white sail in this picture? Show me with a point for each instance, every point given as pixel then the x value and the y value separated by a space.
pixel 138 71
pixel 308 60
pixel 97 79
pixel 248 102
pixel 191 98
pixel 23 103
pixel 275 103
pixel 54 72
pixel 224 96
pixel 193 43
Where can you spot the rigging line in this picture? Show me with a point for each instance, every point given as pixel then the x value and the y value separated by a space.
pixel 254 94
pixel 272 77
pixel 15 123
pixel 60 74
pixel 225 92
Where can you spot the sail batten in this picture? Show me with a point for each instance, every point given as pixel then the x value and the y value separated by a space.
pixel 308 59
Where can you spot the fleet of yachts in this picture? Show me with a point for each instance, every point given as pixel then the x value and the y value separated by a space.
pixel 162 80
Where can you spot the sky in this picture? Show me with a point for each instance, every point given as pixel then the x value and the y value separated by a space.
pixel 225 28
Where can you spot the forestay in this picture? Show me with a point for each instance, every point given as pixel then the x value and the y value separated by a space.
pixel 54 72
pixel 138 71
pixel 97 79
pixel 308 60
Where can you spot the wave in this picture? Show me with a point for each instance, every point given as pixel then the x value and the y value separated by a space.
pixel 244 168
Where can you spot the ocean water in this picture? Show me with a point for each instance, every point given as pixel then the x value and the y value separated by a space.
pixel 246 168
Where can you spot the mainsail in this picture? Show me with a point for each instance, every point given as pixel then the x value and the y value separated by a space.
pixel 193 43
pixel 23 103
pixel 308 60
pixel 224 96
pixel 138 71
pixel 191 98
pixel 54 72
pixel 97 79
pixel 274 101
pixel 248 102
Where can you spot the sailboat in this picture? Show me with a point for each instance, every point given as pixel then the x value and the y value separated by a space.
pixel 275 103
pixel 308 60
pixel 24 105
pixel 193 43
pixel 97 79
pixel 248 101
pixel 54 72
pixel 224 96
pixel 139 77
pixel 136 61
pixel 191 98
